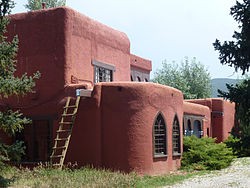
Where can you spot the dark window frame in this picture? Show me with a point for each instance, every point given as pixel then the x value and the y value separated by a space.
pixel 159 136
pixel 176 137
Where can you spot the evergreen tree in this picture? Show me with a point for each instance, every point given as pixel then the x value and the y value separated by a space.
pixel 10 85
pixel 37 4
pixel 190 77
pixel 236 54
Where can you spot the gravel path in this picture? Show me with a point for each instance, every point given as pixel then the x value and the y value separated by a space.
pixel 237 175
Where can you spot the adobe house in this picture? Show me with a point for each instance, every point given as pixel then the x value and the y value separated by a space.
pixel 196 120
pixel 222 116
pixel 123 125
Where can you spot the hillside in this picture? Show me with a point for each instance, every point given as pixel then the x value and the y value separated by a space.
pixel 220 83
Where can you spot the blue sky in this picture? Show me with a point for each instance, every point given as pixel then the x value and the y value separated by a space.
pixel 166 29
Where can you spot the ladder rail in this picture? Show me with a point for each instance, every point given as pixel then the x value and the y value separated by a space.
pixel 63 147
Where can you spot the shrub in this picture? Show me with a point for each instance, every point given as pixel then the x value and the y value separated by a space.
pixel 11 153
pixel 205 154
pixel 239 146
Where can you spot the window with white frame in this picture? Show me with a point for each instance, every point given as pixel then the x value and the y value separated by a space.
pixel 103 72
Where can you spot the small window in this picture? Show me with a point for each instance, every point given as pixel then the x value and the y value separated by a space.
pixel 103 72
pixel 103 75
pixel 159 136
pixel 138 79
pixel 176 137
pixel 145 80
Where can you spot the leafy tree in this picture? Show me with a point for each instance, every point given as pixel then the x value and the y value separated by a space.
pixel 236 54
pixel 190 77
pixel 10 85
pixel 37 4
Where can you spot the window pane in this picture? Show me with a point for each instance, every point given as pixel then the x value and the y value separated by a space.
pixel 159 136
pixel 103 74
pixel 176 136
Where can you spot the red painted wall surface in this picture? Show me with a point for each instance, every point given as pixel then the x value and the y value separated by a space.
pixel 62 43
pixel 140 63
pixel 200 110
pixel 128 114
pixel 114 128
pixel 222 122
pixel 88 40
pixel 222 116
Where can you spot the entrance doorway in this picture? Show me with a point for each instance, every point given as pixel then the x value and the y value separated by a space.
pixel 37 138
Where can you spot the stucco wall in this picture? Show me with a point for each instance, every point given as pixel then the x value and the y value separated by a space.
pixel 222 116
pixel 199 110
pixel 128 114
pixel 114 128
pixel 41 48
pixel 140 68
pixel 88 40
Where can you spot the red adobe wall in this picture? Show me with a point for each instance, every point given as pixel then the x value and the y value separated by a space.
pixel 222 116
pixel 62 43
pixel 88 40
pixel 200 110
pixel 116 132
pixel 140 68
pixel 41 47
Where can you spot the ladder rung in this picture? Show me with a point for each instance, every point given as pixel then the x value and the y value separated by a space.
pixel 60 147
pixel 66 123
pixel 61 139
pixel 64 130
pixel 56 156
pixel 71 106
pixel 64 115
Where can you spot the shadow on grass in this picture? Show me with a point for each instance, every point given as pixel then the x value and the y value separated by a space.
pixel 4 182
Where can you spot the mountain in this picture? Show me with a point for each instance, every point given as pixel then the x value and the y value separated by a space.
pixel 220 83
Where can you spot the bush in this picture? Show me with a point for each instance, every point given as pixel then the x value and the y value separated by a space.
pixel 11 153
pixel 205 154
pixel 239 146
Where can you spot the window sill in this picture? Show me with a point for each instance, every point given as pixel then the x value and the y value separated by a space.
pixel 160 156
pixel 176 154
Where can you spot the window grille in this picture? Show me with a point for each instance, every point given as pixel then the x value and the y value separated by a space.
pixel 103 74
pixel 176 137
pixel 159 135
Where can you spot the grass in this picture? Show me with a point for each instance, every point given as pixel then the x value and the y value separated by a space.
pixel 84 177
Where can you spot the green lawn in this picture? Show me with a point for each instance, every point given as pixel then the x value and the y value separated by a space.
pixel 85 177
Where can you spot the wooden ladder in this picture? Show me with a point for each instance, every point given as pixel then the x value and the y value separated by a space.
pixel 64 132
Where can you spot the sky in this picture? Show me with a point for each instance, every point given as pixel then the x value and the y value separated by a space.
pixel 166 30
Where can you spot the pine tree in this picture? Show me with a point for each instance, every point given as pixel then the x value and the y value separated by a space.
pixel 37 4
pixel 236 54
pixel 10 85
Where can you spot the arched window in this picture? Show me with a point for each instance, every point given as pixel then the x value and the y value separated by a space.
pixel 176 137
pixel 159 136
